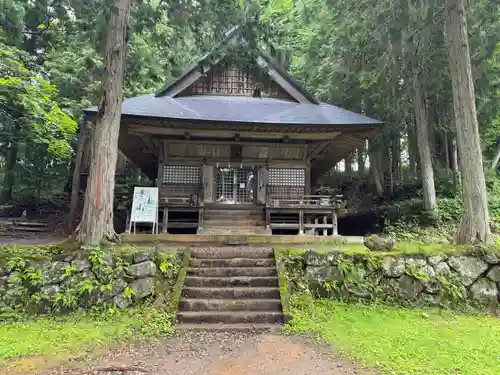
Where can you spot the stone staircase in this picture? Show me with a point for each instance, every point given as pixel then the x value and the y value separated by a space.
pixel 231 288
pixel 234 219
pixel 22 227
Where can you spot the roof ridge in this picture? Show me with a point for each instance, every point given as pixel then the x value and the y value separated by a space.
pixel 228 36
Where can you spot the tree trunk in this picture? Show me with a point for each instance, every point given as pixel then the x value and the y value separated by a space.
pixel 412 150
pixel 424 149
pixel 75 183
pixel 375 170
pixel 97 219
pixel 9 174
pixel 391 172
pixel 361 161
pixel 396 158
pixel 446 150
pixel 496 159
pixel 475 221
pixel 454 164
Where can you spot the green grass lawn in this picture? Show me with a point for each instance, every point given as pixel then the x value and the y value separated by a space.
pixel 24 343
pixel 404 341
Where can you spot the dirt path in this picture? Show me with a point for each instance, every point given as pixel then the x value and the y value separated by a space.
pixel 31 240
pixel 217 354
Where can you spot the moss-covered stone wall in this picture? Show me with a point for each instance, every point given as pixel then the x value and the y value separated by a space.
pixel 451 279
pixel 51 279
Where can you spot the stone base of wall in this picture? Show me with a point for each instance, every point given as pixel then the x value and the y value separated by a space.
pixel 403 279
pixel 85 279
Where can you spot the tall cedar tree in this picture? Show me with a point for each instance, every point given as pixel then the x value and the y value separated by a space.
pixel 97 219
pixel 474 224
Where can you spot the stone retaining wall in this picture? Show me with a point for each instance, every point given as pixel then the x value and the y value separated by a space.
pixel 403 279
pixel 85 280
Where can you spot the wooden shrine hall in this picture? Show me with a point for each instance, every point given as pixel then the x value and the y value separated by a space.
pixel 235 145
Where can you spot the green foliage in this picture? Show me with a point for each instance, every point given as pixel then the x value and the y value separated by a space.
pixel 31 113
pixel 29 252
pixel 168 264
pixel 404 341
pixel 293 265
pixel 451 290
pixel 85 287
pixel 27 294
pixel 359 277
pixel 302 301
pixel 128 293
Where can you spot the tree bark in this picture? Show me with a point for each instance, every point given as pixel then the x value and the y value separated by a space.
pixel 75 183
pixel 360 154
pixel 446 150
pixel 375 170
pixel 412 149
pixel 475 220
pixel 454 164
pixel 9 177
pixel 97 218
pixel 496 159
pixel 423 143
pixel 396 158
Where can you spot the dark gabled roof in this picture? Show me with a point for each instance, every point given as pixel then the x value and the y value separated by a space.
pixel 233 33
pixel 289 78
pixel 240 110
pixel 230 34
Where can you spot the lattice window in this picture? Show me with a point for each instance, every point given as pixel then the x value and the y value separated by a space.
pixel 226 79
pixel 181 174
pixel 232 81
pixel 287 177
pixel 201 86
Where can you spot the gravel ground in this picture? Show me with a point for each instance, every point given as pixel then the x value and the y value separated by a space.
pixel 217 353
pixel 30 240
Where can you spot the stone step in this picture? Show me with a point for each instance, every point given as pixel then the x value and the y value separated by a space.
pixel 234 225
pixel 233 212
pixel 241 327
pixel 249 231
pixel 187 304
pixel 232 293
pixel 232 252
pixel 230 272
pixel 233 221
pixel 233 218
pixel 248 281
pixel 229 317
pixel 233 262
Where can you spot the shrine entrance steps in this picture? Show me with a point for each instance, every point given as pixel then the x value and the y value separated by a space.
pixel 233 219
pixel 231 288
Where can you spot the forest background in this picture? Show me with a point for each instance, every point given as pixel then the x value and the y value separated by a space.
pixel 388 59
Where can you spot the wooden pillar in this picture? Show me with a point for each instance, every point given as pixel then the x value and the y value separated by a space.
pixel 316 221
pixel 262 177
pixel 165 220
pixel 207 183
pixel 335 230
pixel 301 222
pixel 309 231
pixel 308 180
pixel 325 221
pixel 162 158
pixel 200 217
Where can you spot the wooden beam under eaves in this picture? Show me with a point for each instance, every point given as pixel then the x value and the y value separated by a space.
pixel 150 130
